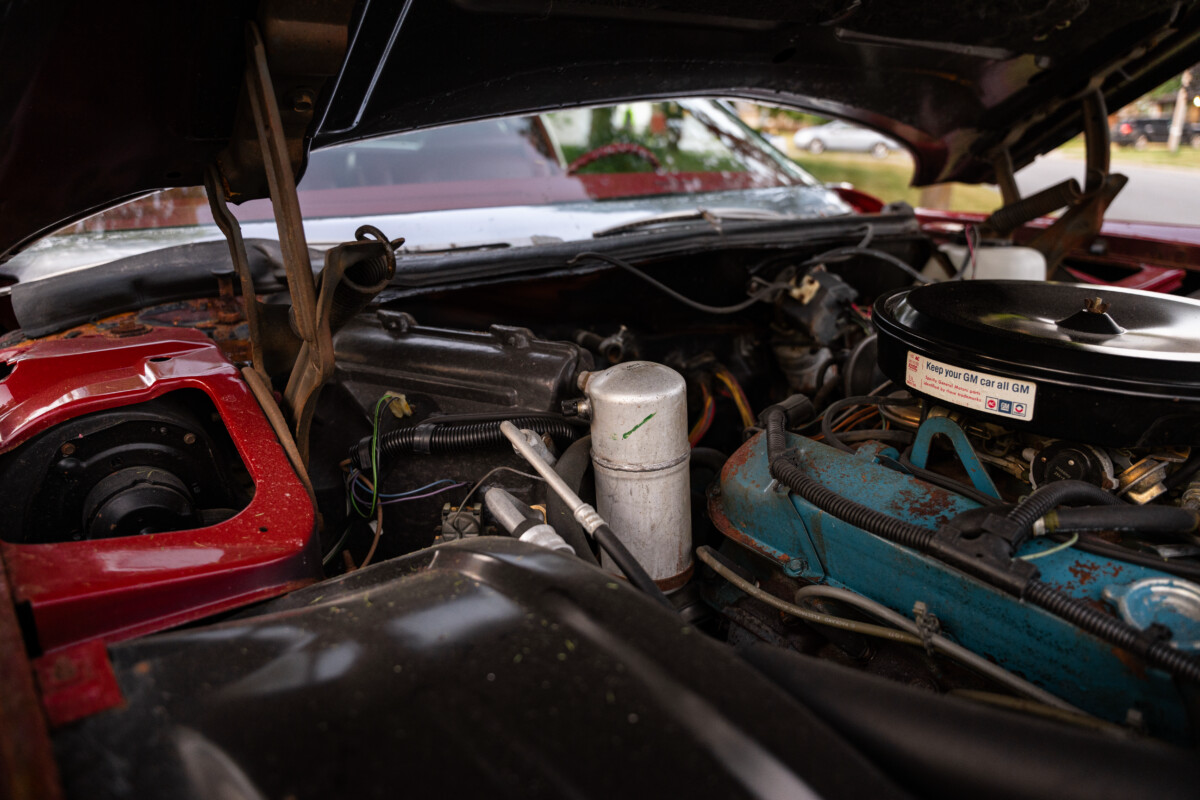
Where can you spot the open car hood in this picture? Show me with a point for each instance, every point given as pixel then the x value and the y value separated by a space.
pixel 122 98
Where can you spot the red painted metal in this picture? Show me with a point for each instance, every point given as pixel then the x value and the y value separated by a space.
pixel 76 682
pixel 27 769
pixel 117 588
pixel 860 201
pixel 1148 278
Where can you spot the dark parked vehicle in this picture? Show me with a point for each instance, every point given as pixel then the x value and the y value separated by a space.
pixel 1138 132
pixel 450 398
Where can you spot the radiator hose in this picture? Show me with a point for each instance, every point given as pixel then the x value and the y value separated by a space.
pixel 1156 651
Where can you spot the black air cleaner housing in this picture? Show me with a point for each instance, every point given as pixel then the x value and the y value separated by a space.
pixel 1116 367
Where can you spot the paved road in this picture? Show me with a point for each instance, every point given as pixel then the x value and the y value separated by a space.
pixel 1153 194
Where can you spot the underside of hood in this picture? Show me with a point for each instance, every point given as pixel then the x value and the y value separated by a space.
pixel 116 99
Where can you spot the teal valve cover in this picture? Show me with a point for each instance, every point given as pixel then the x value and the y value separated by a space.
pixel 752 509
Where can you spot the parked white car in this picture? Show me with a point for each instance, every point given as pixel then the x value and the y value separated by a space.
pixel 839 135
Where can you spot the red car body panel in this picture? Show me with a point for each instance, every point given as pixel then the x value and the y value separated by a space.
pixel 122 587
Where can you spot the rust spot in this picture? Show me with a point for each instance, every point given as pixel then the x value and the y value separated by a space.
pixel 730 530
pixel 670 584
pixel 142 668
pixel 926 502
pixel 1131 662
pixel 816 529
pixel 717 515
pixel 740 457
pixel 1084 572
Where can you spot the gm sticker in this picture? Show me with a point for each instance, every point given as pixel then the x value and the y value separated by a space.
pixel 968 388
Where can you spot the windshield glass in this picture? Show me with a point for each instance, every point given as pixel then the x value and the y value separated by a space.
pixel 560 175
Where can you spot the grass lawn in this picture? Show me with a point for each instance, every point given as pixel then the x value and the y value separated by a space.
pixel 888 179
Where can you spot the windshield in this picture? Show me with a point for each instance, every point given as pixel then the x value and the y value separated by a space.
pixel 561 175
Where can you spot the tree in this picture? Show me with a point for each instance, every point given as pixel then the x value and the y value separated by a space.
pixel 1182 99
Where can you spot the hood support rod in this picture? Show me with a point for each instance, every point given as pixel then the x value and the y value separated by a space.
pixel 314 365
pixel 313 302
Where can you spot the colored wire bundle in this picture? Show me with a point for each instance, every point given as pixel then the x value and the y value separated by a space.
pixel 706 417
pixel 362 491
pixel 373 483
pixel 739 396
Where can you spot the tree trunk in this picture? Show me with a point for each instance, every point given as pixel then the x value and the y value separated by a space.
pixel 1180 116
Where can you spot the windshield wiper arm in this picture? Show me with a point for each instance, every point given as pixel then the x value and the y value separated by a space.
pixel 713 216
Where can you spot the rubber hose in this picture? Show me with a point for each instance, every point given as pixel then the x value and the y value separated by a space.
pixel 1185 471
pixel 1053 495
pixel 946 482
pixel 450 438
pixel 901 438
pixel 1157 653
pixel 573 467
pixel 1162 520
pixel 708 457
pixel 629 565
pixel 827 422
pixel 1007 219
pixel 828 386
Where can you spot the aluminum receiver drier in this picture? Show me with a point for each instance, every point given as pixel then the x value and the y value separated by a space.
pixel 640 452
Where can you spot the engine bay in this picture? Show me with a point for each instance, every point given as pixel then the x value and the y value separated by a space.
pixel 975 488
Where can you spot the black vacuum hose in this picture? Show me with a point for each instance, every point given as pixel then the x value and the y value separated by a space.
pixel 431 437
pixel 1156 521
pixel 1053 495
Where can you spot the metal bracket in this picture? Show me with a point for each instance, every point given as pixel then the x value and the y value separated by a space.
pixel 1080 224
pixel 314 365
pixel 944 426
pixel 1076 228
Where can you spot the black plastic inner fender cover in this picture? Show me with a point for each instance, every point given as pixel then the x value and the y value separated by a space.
pixel 1110 366
pixel 484 668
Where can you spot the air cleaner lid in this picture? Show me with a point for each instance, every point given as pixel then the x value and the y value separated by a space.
pixel 1093 364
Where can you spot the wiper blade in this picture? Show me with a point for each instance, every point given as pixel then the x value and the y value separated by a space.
pixel 713 216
